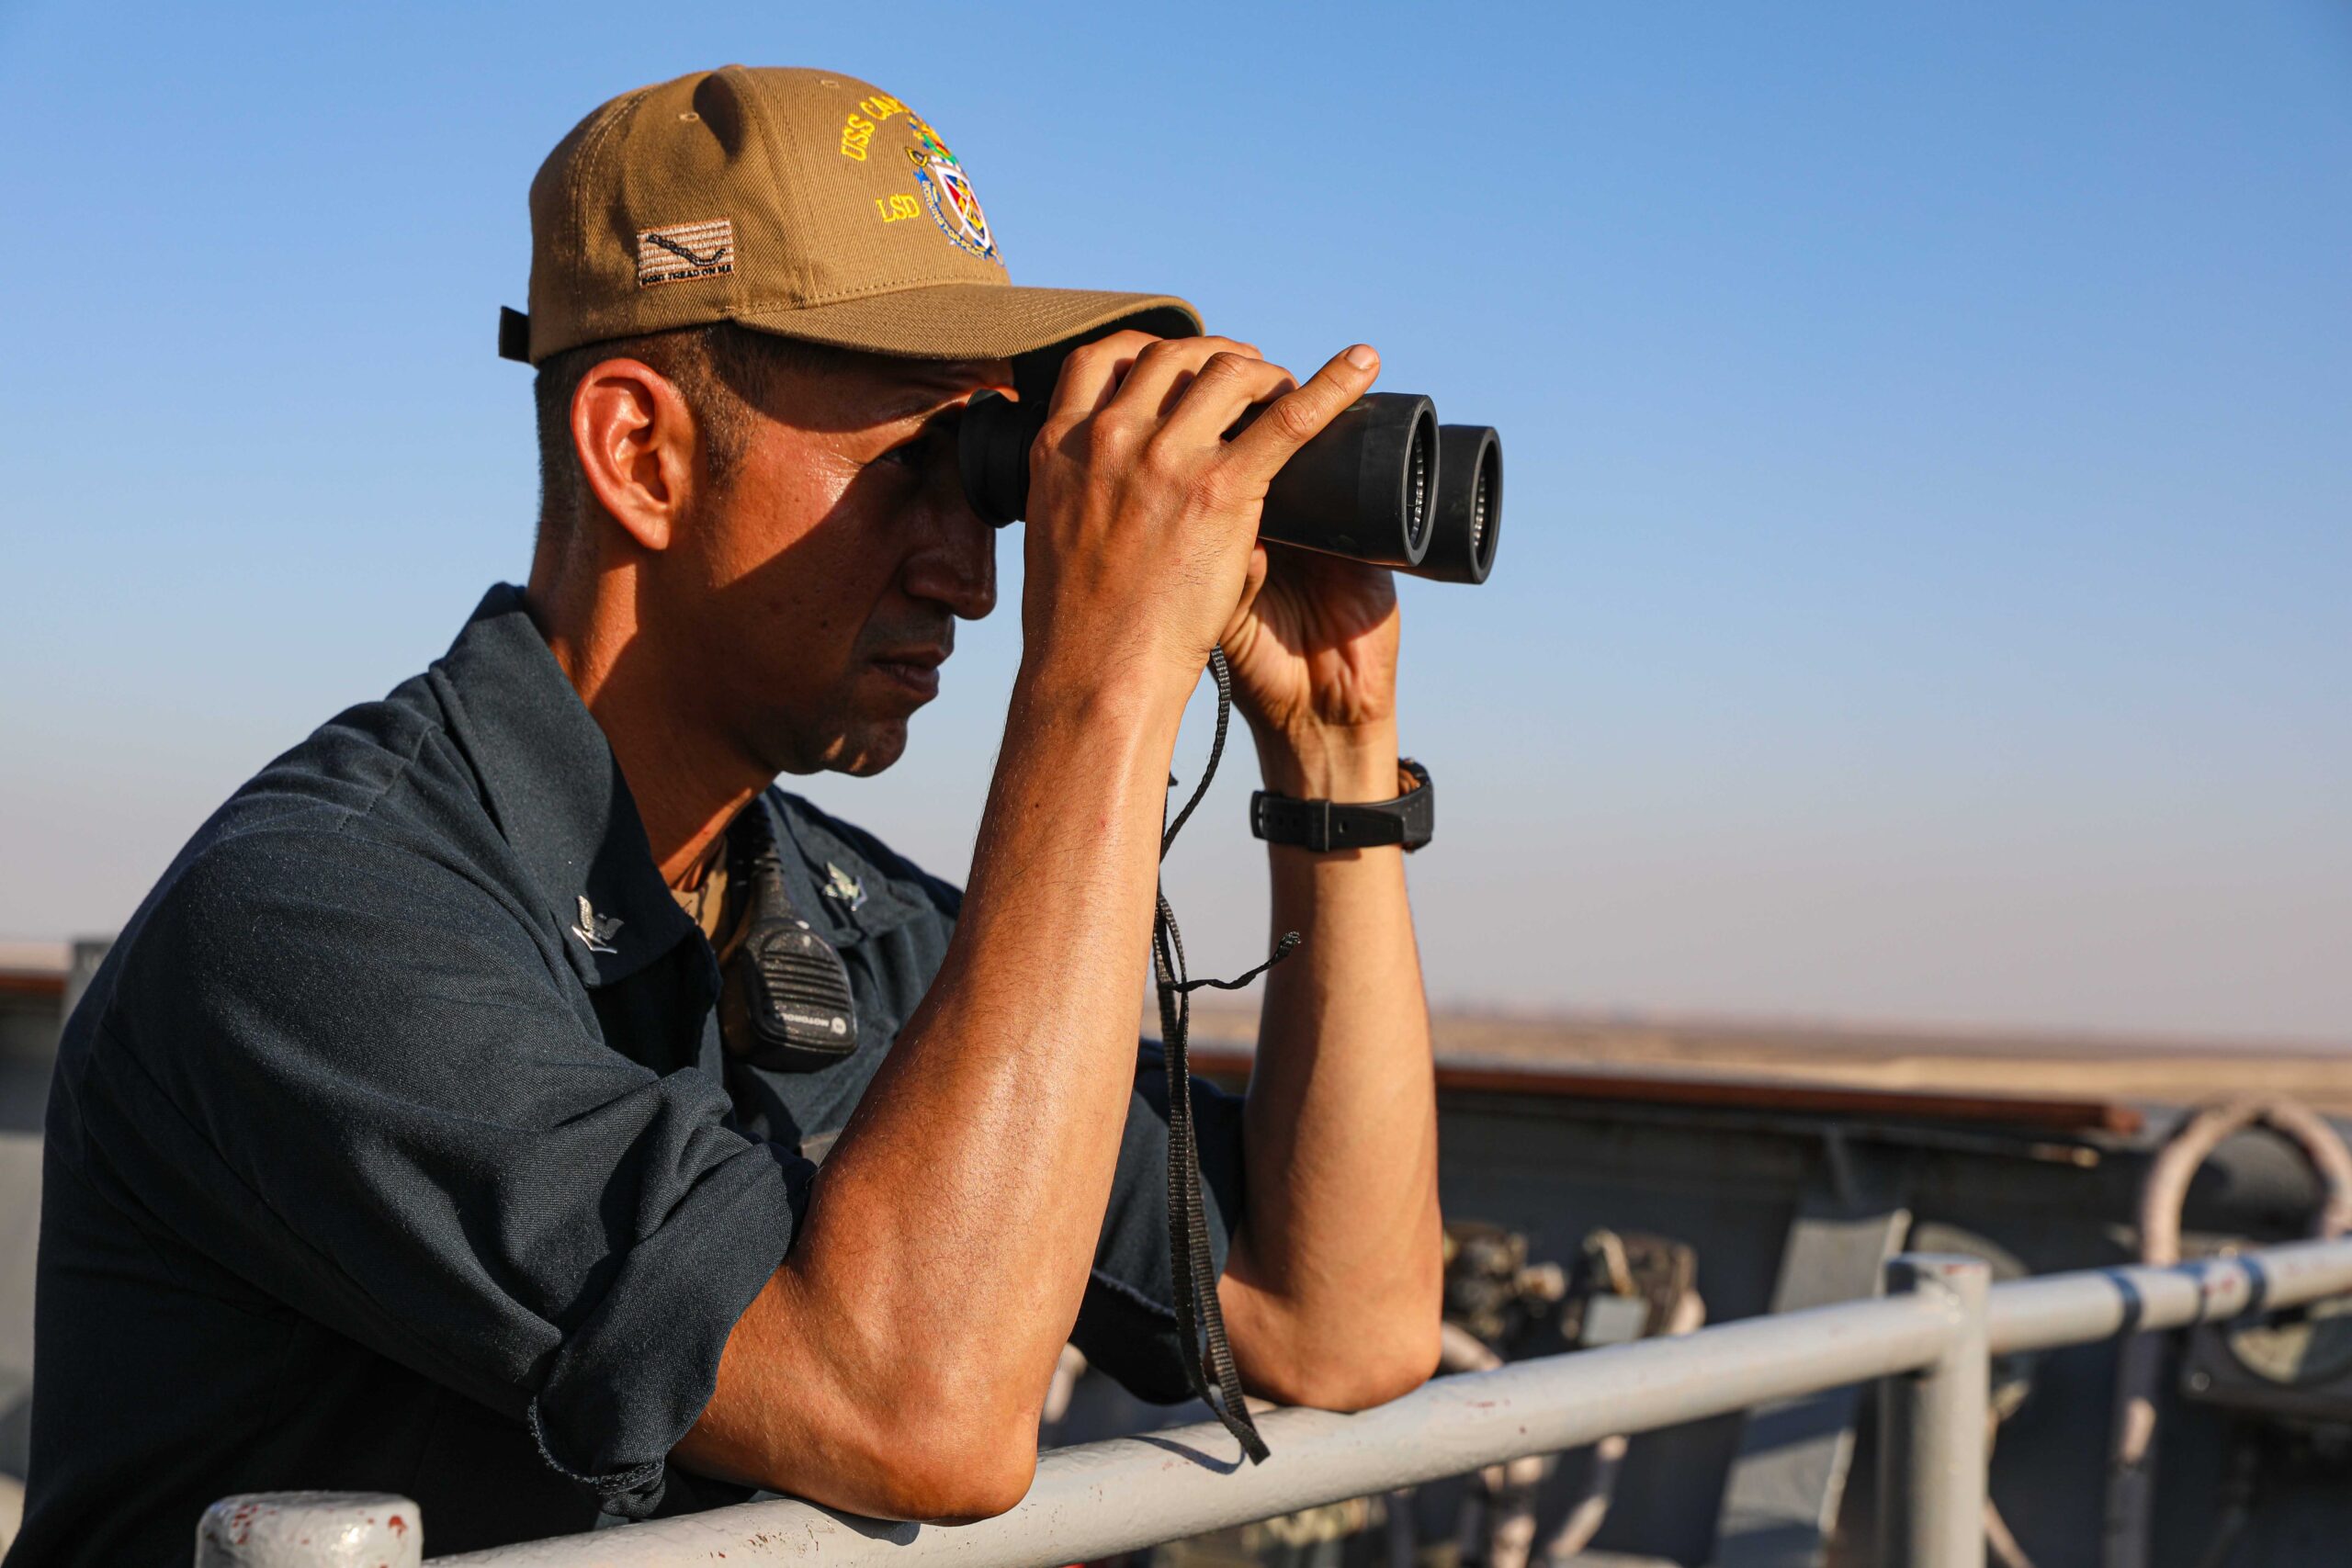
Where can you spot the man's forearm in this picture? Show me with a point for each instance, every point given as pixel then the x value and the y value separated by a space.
pixel 1332 1293
pixel 947 1242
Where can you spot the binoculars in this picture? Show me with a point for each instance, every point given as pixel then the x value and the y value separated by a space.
pixel 1384 482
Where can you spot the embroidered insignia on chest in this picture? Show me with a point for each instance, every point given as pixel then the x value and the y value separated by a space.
pixel 596 930
pixel 843 887
pixel 685 251
pixel 947 190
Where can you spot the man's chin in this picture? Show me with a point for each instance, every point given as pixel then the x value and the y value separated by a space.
pixel 870 748
pixel 861 742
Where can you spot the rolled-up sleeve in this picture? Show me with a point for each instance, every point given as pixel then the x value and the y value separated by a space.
pixel 378 1102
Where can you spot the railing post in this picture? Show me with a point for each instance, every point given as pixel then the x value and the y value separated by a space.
pixel 1932 1426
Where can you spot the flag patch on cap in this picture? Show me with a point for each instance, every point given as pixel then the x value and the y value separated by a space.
pixel 685 251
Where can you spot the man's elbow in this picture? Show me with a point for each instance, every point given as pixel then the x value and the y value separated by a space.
pixel 1377 1382
pixel 955 1471
pixel 955 1494
pixel 1349 1382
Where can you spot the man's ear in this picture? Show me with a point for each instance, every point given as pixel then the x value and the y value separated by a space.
pixel 635 440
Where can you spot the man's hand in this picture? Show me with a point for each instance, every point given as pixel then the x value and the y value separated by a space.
pixel 1314 657
pixel 1143 517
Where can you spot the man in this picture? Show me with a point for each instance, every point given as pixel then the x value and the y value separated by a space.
pixel 401 1145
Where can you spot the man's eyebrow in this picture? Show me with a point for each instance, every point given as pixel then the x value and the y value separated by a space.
pixel 919 407
pixel 928 399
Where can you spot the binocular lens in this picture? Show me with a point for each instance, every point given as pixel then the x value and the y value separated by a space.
pixel 1469 511
pixel 1420 460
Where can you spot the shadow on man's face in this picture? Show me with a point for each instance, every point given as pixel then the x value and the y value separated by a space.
pixel 818 592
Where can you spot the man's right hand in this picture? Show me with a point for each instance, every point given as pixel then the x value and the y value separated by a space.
pixel 1143 519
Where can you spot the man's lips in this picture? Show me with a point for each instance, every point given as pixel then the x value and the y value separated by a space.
pixel 916 668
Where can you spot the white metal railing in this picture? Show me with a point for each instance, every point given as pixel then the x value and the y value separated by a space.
pixel 1929 1338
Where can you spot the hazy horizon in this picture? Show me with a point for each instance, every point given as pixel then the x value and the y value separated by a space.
pixel 1923 586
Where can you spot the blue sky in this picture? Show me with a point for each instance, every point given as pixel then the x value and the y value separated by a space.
pixel 1923 591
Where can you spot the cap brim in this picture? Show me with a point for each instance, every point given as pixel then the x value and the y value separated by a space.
pixel 973 320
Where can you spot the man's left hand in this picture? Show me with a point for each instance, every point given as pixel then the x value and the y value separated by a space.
pixel 1314 657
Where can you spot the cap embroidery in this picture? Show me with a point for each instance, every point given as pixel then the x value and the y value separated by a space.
pixel 682 251
pixel 948 191
pixel 857 131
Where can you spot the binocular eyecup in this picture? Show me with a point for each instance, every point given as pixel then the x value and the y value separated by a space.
pixel 1384 482
pixel 1469 521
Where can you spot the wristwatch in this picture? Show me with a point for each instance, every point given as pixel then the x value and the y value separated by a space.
pixel 1323 825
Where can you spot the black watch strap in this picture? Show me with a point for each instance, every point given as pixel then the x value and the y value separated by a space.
pixel 1323 825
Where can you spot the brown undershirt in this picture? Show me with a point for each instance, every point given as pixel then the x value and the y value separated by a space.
pixel 714 900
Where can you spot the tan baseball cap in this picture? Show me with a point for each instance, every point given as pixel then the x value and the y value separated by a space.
pixel 803 203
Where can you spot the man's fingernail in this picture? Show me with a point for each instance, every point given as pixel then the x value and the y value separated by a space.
pixel 1362 358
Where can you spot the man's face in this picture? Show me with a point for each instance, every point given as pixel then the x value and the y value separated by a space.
pixel 834 561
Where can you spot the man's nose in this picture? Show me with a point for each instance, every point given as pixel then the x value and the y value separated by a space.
pixel 955 565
